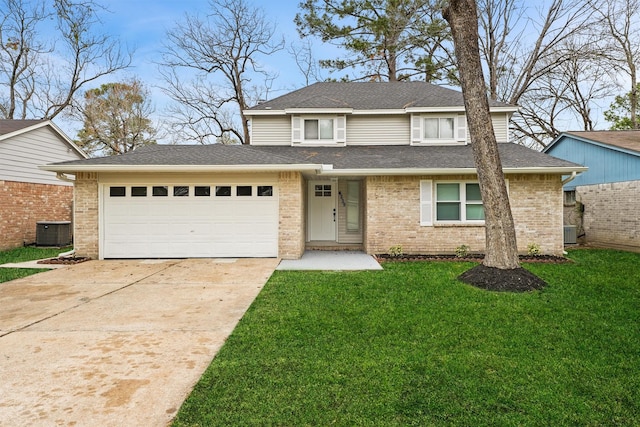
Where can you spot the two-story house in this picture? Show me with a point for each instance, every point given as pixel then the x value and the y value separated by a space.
pixel 360 166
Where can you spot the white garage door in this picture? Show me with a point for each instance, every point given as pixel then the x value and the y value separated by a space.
pixel 182 221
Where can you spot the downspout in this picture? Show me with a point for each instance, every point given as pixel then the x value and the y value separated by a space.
pixel 62 177
pixel 571 178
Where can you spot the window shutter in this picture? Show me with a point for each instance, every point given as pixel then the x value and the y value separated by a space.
pixel 416 128
pixel 341 131
pixel 462 127
pixel 296 129
pixel 426 202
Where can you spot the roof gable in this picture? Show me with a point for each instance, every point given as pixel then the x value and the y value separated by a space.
pixel 370 96
pixel 622 140
pixel 12 128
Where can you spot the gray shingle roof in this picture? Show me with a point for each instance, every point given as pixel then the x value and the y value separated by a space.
pixel 350 157
pixel 627 139
pixel 369 96
pixel 8 125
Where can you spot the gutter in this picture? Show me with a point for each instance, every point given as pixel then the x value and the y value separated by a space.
pixel 65 169
pixel 447 171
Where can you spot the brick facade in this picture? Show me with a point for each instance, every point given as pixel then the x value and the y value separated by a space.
pixel 23 204
pixel 610 216
pixel 86 215
pixel 393 216
pixel 292 221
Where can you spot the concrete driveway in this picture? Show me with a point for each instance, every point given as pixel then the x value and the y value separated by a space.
pixel 117 343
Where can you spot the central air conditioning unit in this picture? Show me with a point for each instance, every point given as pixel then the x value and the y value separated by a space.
pixel 53 233
pixel 570 235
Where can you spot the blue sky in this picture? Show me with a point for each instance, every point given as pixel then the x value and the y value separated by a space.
pixel 142 25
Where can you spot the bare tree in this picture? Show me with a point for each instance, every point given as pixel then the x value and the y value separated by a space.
pixel 306 62
pixel 40 74
pixel 620 20
pixel 222 52
pixel 523 58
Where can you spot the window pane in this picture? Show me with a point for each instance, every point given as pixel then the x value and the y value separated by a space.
pixel 202 191
pixel 243 190
pixel 117 191
pixel 431 128
pixel 223 190
pixel 448 192
pixel 180 191
pixel 473 192
pixel 265 190
pixel 326 128
pixel 310 129
pixel 353 205
pixel 448 211
pixel 446 128
pixel 138 191
pixel 475 212
pixel 160 191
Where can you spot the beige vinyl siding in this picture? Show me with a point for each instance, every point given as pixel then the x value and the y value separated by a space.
pixel 501 126
pixel 345 236
pixel 21 155
pixel 271 130
pixel 379 129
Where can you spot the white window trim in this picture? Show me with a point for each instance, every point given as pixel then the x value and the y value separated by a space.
pixel 428 203
pixel 339 129
pixel 459 129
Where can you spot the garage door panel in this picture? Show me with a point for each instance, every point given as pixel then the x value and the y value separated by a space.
pixel 164 227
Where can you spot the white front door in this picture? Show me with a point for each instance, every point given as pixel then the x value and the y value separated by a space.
pixel 322 211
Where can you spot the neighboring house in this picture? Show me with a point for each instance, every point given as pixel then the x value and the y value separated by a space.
pixel 27 193
pixel 334 165
pixel 604 201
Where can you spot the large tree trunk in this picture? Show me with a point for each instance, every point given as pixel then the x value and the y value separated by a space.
pixel 501 250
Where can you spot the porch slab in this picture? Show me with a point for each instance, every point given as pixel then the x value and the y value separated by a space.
pixel 331 260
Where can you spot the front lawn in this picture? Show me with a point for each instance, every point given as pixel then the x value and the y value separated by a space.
pixel 28 253
pixel 411 345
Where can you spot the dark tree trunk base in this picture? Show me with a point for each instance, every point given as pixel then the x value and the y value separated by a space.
pixel 496 279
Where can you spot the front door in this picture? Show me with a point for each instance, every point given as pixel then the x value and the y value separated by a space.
pixel 322 211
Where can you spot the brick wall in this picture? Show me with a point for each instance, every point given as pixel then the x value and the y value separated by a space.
pixel 610 215
pixel 393 216
pixel 291 234
pixel 23 204
pixel 86 214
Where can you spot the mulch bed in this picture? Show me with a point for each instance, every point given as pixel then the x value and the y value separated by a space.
pixel 496 279
pixel 551 259
pixel 64 260
pixel 489 278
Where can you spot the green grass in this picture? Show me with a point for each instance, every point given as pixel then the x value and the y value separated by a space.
pixel 413 346
pixel 27 253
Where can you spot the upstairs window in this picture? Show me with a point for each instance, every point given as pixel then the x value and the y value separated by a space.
pixel 318 130
pixel 438 129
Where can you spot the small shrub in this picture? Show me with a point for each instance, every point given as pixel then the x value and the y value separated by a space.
pixel 396 251
pixel 533 249
pixel 462 251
